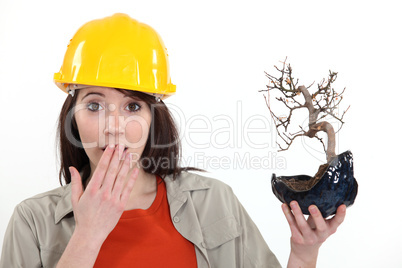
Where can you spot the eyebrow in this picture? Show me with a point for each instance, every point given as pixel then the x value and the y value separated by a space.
pixel 93 93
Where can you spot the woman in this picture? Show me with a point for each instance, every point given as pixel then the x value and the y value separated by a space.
pixel 126 201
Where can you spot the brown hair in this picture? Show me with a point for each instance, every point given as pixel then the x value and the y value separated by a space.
pixel 161 154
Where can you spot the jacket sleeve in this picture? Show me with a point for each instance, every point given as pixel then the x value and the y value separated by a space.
pixel 20 246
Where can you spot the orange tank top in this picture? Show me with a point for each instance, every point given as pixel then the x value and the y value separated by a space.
pixel 147 238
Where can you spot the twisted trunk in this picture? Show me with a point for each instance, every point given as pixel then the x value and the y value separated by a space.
pixel 315 127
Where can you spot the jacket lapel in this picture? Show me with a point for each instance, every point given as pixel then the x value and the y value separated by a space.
pixel 183 214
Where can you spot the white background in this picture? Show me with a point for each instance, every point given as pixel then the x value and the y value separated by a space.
pixel 219 51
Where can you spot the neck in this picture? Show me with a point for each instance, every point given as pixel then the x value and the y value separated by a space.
pixel 144 191
pixel 145 184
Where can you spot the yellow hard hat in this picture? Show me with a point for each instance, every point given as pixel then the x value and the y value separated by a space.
pixel 118 52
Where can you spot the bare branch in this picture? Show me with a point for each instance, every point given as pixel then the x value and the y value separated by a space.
pixel 321 104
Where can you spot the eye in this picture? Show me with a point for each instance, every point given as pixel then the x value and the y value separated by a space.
pixel 133 107
pixel 94 106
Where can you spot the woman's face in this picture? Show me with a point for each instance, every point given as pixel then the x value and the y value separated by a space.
pixel 106 116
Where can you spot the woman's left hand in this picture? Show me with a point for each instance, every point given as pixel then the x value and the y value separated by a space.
pixel 308 235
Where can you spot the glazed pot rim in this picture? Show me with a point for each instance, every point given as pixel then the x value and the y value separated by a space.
pixel 333 162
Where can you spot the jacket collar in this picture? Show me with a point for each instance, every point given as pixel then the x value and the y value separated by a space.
pixel 188 182
pixel 64 206
pixel 178 193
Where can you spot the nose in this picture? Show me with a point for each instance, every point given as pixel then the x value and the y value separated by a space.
pixel 114 124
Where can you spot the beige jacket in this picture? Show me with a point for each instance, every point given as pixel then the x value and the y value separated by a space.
pixel 205 211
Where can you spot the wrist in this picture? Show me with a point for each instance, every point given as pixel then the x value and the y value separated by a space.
pixel 81 251
pixel 300 262
pixel 305 257
pixel 88 240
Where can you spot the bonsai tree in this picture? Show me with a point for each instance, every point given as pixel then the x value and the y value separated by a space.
pixel 334 183
pixel 321 103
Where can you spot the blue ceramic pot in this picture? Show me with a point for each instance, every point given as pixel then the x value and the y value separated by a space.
pixel 335 186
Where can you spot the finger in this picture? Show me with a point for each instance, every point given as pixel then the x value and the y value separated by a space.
pixel 338 218
pixel 129 185
pixel 319 221
pixel 121 177
pixel 113 169
pixel 291 221
pixel 101 169
pixel 76 186
pixel 301 222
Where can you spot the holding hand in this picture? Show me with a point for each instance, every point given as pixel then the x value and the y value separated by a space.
pixel 308 235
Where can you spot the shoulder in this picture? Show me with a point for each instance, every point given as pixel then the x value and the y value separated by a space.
pixel 204 192
pixel 51 197
pixel 188 181
pixel 194 180
pixel 34 232
pixel 45 204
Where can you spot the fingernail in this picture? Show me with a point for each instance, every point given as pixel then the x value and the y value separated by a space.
pixel 342 208
pixel 313 209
